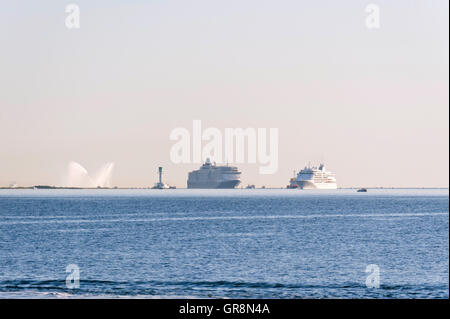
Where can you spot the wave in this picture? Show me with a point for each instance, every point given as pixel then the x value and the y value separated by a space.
pixel 92 283
pixel 56 289
pixel 206 218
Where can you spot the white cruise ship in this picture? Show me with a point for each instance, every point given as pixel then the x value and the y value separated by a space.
pixel 212 176
pixel 315 178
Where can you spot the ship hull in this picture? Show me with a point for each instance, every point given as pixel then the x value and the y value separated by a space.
pixel 214 185
pixel 312 185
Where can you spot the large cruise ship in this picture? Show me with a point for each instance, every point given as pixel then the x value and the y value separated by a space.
pixel 314 178
pixel 212 176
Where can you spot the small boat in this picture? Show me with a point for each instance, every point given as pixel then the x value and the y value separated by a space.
pixel 362 190
pixel 293 182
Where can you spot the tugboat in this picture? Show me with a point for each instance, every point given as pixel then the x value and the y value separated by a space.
pixel 362 190
pixel 293 182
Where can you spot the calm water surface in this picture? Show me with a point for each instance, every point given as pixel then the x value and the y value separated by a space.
pixel 224 243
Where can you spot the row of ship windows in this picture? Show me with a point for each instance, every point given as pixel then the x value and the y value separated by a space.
pixel 316 174
pixel 322 179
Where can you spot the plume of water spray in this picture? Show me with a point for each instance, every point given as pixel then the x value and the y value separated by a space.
pixel 78 176
pixel 103 176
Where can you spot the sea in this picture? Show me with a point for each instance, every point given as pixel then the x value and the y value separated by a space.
pixel 240 243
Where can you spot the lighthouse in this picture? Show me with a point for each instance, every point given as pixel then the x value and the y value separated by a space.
pixel 160 184
pixel 160 175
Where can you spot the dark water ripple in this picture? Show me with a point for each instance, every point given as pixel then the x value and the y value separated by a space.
pixel 218 289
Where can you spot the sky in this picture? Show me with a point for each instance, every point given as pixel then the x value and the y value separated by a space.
pixel 372 104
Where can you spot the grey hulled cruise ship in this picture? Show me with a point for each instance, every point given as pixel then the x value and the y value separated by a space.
pixel 212 176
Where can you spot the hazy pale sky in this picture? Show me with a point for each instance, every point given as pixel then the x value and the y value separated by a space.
pixel 372 104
